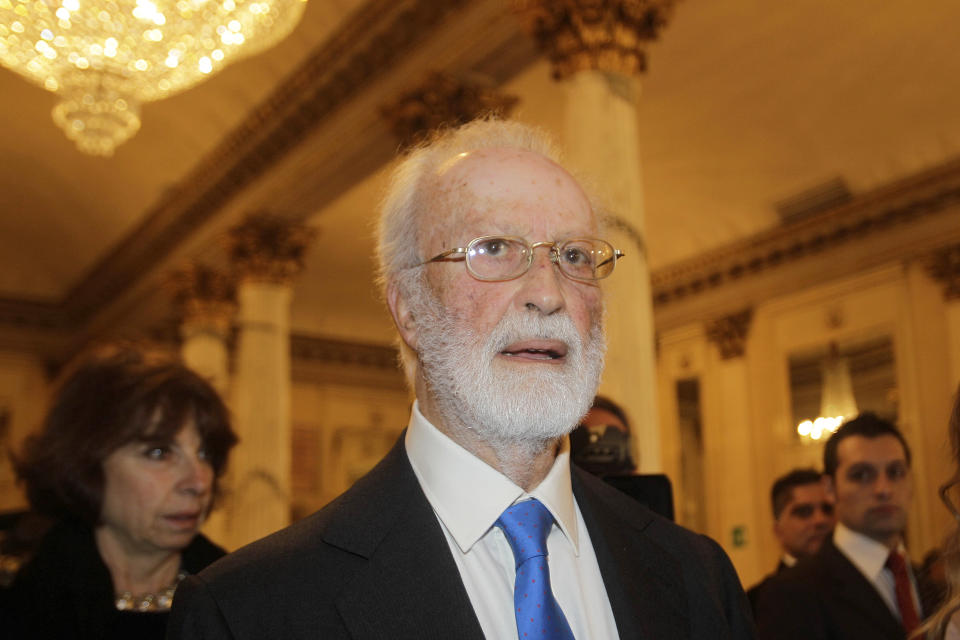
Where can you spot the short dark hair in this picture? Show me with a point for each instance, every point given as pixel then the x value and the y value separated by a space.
pixel 605 403
pixel 109 400
pixel 868 425
pixel 782 492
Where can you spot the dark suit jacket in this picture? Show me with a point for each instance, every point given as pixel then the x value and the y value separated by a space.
pixel 825 597
pixel 753 593
pixel 375 564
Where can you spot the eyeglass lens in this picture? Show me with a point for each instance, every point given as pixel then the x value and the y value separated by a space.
pixel 505 257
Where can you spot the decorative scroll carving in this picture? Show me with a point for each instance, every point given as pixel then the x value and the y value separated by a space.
pixel 268 248
pixel 729 333
pixel 442 100
pixel 605 35
pixel 203 297
pixel 944 267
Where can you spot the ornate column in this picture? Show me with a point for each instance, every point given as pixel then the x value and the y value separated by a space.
pixel 596 49
pixel 267 253
pixel 944 267
pixel 729 445
pixel 205 303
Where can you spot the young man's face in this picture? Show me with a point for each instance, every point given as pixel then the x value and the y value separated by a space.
pixel 806 520
pixel 872 487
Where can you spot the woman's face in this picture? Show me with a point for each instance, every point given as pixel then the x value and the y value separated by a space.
pixel 156 493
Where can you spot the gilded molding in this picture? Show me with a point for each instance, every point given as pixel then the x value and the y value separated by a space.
pixel 603 35
pixel 730 332
pixel 441 100
pixel 267 248
pixel 907 201
pixel 307 348
pixel 944 267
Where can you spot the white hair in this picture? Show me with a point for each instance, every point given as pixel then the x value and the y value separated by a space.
pixel 410 193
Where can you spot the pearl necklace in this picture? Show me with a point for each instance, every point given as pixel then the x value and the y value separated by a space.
pixel 159 601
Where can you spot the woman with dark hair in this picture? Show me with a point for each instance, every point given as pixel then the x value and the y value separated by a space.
pixel 126 463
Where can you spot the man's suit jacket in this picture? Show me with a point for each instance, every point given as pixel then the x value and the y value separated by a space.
pixel 825 597
pixel 375 564
pixel 753 593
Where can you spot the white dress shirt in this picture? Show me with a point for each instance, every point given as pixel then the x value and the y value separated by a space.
pixel 870 557
pixel 468 496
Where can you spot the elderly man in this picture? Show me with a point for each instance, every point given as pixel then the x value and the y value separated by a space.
pixel 474 524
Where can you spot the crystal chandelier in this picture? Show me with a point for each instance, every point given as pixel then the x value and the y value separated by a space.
pixel 837 402
pixel 104 58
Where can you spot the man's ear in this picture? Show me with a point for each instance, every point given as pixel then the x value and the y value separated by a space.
pixel 402 315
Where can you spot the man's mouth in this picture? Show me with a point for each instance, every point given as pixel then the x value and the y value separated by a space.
pixel 538 350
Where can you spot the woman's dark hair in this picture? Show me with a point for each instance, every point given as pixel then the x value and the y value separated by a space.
pixel 109 400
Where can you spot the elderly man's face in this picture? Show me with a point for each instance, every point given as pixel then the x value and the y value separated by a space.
pixel 518 193
pixel 518 358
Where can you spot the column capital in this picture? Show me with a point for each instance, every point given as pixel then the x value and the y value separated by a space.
pixel 441 99
pixel 203 297
pixel 944 267
pixel 730 332
pixel 268 248
pixel 602 35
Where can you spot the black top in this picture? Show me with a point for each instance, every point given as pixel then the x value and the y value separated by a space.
pixel 66 591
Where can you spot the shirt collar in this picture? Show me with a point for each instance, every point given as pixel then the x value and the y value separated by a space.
pixel 867 554
pixel 468 495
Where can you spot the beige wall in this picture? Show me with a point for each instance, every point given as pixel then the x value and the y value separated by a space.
pixel 748 428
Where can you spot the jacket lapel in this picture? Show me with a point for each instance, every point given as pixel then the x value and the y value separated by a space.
pixel 643 581
pixel 410 586
pixel 854 593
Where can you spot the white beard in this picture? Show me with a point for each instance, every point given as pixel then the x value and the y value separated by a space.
pixel 506 404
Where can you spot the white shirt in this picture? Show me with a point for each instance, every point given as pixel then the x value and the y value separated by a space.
pixel 468 496
pixel 870 557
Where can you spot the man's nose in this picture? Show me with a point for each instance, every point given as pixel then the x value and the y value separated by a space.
pixel 540 290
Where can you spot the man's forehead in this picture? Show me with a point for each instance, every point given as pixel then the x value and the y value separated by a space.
pixel 471 188
pixel 882 449
pixel 802 493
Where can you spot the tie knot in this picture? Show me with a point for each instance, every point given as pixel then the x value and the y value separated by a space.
pixel 526 525
pixel 895 562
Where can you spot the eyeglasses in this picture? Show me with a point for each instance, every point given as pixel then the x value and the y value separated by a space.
pixel 497 258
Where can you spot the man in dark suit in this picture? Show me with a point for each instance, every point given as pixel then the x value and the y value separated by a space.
pixel 475 525
pixel 860 584
pixel 802 520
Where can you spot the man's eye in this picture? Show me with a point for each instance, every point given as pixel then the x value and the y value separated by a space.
pixel 862 475
pixel 576 256
pixel 896 472
pixel 803 511
pixel 493 247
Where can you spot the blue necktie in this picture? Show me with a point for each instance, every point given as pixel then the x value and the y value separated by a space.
pixel 526 526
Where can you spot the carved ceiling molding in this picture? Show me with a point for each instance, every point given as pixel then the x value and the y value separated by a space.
pixel 907 201
pixel 604 35
pixel 442 100
pixel 944 267
pixel 203 297
pixel 367 46
pixel 730 333
pixel 268 248
pixel 327 351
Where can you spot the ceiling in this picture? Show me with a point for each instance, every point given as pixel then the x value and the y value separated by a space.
pixel 745 104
